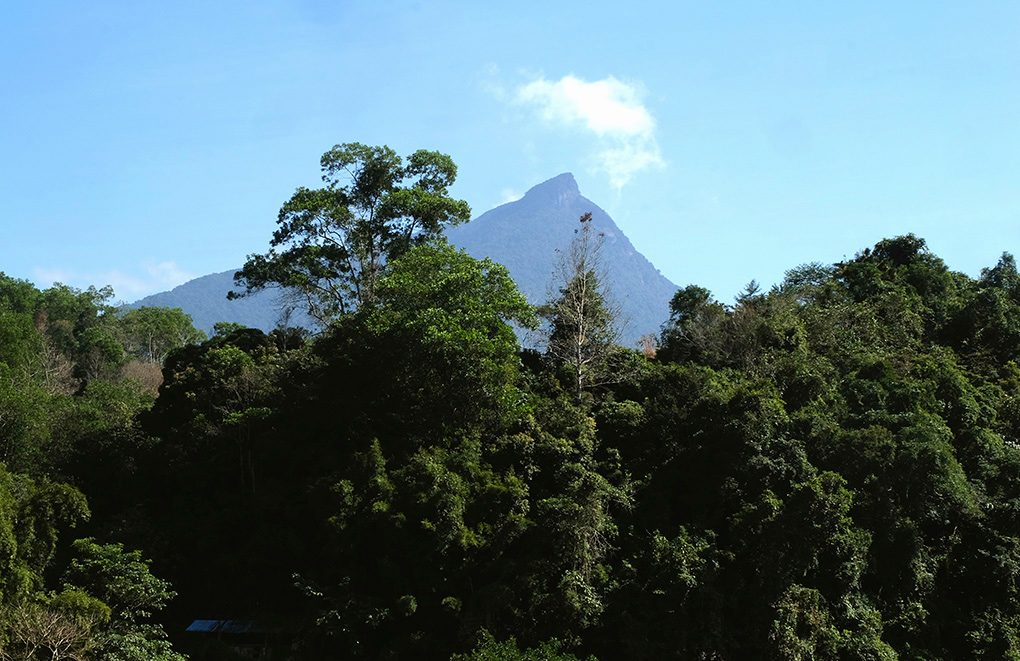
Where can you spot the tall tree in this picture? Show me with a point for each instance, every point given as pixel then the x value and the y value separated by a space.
pixel 583 323
pixel 332 242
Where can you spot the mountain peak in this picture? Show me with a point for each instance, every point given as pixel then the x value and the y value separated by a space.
pixel 560 190
pixel 527 236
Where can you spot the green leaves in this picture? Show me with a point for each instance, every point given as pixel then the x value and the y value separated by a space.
pixel 332 243
pixel 489 649
pixel 31 517
pixel 129 594
pixel 441 333
pixel 119 578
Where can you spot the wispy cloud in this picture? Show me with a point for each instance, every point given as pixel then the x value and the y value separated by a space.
pixel 510 195
pixel 610 109
pixel 150 278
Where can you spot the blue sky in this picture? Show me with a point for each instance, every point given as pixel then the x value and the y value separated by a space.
pixel 143 144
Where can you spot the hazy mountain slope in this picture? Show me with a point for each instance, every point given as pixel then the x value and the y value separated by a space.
pixel 524 236
pixel 205 299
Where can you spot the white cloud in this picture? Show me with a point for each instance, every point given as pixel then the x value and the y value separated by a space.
pixel 157 277
pixel 167 273
pixel 609 108
pixel 46 277
pixel 620 163
pixel 604 106
pixel 491 83
pixel 510 195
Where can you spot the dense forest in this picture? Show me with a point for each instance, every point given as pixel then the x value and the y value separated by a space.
pixel 829 469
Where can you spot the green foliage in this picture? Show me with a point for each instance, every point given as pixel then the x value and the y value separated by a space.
pixel 332 243
pixel 121 581
pixel 489 649
pixel 823 470
pixel 98 351
pixel 421 492
pixel 81 606
pixel 852 481
pixel 24 431
pixel 63 629
pixel 693 327
pixel 438 346
pixel 151 333
pixel 20 343
pixel 34 623
pixel 119 578
pixel 64 403
pixel 31 517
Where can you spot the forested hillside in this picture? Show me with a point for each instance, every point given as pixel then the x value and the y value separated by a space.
pixel 73 376
pixel 824 470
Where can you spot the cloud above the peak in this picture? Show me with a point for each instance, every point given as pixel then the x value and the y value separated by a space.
pixel 611 109
pixel 606 106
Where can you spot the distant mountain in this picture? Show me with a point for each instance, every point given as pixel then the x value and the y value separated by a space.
pixel 205 299
pixel 523 235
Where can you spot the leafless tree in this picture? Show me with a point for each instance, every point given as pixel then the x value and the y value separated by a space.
pixel 37 632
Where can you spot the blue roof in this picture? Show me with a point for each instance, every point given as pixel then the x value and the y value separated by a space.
pixel 225 626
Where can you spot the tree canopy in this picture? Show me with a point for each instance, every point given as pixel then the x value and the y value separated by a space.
pixel 824 469
pixel 332 243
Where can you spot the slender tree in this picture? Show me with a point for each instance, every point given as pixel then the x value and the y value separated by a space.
pixel 150 333
pixel 583 322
